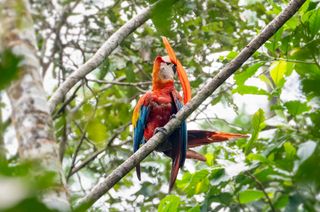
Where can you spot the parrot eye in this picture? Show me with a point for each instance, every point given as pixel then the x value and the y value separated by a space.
pixel 168 63
pixel 174 68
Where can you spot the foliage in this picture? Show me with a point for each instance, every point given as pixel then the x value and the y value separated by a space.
pixel 20 186
pixel 8 67
pixel 277 167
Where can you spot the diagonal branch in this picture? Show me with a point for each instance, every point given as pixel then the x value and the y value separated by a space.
pixel 105 50
pixel 107 183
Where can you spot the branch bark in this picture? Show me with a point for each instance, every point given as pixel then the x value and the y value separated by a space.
pixel 105 50
pixel 30 111
pixel 2 146
pixel 107 183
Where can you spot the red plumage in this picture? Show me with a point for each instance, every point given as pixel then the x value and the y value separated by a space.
pixel 160 104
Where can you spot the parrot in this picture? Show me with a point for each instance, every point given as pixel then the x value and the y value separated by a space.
pixel 156 107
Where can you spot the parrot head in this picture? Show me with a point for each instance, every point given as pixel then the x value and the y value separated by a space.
pixel 166 67
pixel 163 72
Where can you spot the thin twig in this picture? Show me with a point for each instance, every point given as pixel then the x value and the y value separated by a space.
pixel 76 152
pixel 120 83
pixel 261 187
pixel 97 153
pixel 82 137
pixel 74 95
pixel 100 91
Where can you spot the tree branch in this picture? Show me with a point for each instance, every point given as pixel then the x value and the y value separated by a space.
pixel 105 50
pixel 2 129
pixel 107 183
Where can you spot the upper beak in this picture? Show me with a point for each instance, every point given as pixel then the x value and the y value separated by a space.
pixel 183 78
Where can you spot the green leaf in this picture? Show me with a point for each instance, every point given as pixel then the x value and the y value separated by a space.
pixel 195 209
pixel 307 167
pixel 282 201
pixel 290 150
pixel 9 66
pixel 241 77
pixel 300 54
pixel 104 69
pixel 222 197
pixel 314 22
pixel 97 131
pixel 306 150
pixel 194 183
pixel 161 16
pixel 216 173
pixel 30 204
pixel 169 204
pixel 310 76
pixel 292 23
pixel 293 203
pixel 257 125
pixel 296 108
pixel 266 80
pixel 250 196
pixel 232 55
pixel 210 159
pixel 277 72
pixel 245 89
pixel 130 74
pixel 216 100
pixel 304 7
pixel 257 157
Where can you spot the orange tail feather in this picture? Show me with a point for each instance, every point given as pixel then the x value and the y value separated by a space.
pixel 202 137
pixel 195 155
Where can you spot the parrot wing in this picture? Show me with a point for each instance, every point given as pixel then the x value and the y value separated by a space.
pixel 139 120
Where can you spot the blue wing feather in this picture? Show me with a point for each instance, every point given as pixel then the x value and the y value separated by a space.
pixel 184 134
pixel 138 138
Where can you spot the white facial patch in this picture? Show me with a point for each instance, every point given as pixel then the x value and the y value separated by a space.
pixel 166 71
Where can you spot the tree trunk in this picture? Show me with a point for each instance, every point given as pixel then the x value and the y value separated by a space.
pixel 30 111
pixel 2 147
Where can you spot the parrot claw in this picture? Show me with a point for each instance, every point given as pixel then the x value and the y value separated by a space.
pixel 173 116
pixel 160 129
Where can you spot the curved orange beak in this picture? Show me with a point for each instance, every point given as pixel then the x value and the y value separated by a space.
pixel 181 72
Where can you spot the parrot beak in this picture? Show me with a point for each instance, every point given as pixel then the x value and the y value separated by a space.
pixel 181 72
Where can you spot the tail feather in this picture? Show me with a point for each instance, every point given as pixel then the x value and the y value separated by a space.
pixel 174 171
pixel 195 155
pixel 176 155
pixel 202 137
pixel 138 172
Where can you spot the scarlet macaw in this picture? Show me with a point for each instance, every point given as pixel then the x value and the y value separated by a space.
pixel 155 108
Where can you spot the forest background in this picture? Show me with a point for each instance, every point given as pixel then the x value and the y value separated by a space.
pixel 85 131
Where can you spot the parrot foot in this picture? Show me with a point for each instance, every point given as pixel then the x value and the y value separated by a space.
pixel 173 116
pixel 160 129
